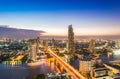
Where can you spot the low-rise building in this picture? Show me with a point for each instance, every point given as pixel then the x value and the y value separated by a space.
pixel 100 72
pixel 85 66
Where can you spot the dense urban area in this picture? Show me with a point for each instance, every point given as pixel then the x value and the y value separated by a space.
pixel 63 59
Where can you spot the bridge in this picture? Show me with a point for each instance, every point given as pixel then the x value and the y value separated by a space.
pixel 70 70
pixel 74 73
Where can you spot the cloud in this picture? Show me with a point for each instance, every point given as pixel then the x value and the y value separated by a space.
pixel 8 32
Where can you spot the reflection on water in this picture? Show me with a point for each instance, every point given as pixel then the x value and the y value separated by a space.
pixel 22 71
pixel 33 71
pixel 13 72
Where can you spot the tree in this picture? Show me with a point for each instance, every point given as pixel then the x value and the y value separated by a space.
pixel 41 76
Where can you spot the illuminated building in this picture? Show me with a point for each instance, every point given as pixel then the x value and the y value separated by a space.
pixel 85 66
pixel 115 56
pixel 70 45
pixel 92 46
pixel 32 47
pixel 53 43
pixel 46 44
pixel 70 40
pixel 37 44
pixel 43 42
pixel 100 72
pixel 116 51
pixel 117 44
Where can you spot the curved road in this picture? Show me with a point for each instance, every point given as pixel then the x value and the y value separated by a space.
pixel 75 74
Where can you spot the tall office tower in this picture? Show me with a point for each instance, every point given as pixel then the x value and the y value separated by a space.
pixel 53 43
pixel 92 46
pixel 70 47
pixel 32 48
pixel 33 52
pixel 46 44
pixel 37 44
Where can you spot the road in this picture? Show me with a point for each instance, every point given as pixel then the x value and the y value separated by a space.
pixel 74 73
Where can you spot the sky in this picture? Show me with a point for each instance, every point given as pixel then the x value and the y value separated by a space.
pixel 88 17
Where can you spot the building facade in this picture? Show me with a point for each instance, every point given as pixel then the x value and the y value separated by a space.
pixel 70 46
pixel 92 46
pixel 70 40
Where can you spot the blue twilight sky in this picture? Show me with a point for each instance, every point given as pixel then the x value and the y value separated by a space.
pixel 88 17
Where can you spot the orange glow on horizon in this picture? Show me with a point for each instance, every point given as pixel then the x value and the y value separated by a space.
pixel 65 34
pixel 55 34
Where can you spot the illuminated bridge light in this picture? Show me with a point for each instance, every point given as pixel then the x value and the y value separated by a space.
pixel 68 68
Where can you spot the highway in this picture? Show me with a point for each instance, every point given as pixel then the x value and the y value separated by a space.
pixel 74 73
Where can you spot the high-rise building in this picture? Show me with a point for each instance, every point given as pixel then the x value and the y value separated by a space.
pixel 46 44
pixel 37 44
pixel 70 44
pixel 53 42
pixel 32 48
pixel 92 46
pixel 70 40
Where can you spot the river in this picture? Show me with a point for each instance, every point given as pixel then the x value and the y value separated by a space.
pixel 22 71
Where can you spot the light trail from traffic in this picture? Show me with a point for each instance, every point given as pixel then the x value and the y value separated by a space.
pixel 75 74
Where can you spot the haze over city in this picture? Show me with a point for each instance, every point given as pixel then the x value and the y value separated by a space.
pixel 89 17
pixel 59 39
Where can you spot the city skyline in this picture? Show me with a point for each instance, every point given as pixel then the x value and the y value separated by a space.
pixel 59 39
pixel 88 17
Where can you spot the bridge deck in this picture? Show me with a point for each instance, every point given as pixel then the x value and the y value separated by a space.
pixel 67 67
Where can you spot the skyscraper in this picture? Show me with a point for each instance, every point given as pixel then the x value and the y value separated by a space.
pixel 92 46
pixel 53 42
pixel 70 40
pixel 32 48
